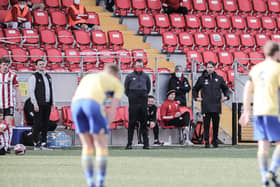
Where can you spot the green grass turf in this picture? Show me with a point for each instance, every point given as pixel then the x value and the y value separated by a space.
pixel 226 166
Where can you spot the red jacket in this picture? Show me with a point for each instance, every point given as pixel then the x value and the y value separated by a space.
pixel 169 108
pixel 15 12
pixel 73 12
pixel 172 3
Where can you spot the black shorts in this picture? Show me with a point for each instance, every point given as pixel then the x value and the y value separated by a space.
pixel 9 111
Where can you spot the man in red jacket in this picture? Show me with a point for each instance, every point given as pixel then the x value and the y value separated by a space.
pixel 170 112
pixel 174 6
pixel 19 16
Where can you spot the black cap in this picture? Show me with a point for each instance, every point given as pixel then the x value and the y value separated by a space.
pixel 170 92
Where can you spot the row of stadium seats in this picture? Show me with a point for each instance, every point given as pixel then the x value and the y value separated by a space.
pixel 159 23
pixel 71 57
pixel 48 38
pixel 121 118
pixel 136 7
pixel 50 4
pixel 54 19
pixel 185 41
pixel 224 59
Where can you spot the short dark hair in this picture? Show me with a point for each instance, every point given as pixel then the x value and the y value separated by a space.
pixel 4 59
pixel 151 97
pixel 210 62
pixel 139 61
pixel 271 48
pixel 38 60
pixel 113 68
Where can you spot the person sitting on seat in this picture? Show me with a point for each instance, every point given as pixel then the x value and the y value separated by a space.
pixel 31 5
pixel 170 112
pixel 174 6
pixel 77 16
pixel 19 16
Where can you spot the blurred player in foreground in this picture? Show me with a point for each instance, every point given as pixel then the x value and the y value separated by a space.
pixel 91 123
pixel 264 84
pixel 4 134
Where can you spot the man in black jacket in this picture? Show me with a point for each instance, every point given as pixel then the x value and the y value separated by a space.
pixel 137 87
pixel 179 83
pixel 212 86
pixel 152 118
pixel 41 93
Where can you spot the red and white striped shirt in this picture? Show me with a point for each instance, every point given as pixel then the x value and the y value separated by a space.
pixel 8 82
pixel 4 135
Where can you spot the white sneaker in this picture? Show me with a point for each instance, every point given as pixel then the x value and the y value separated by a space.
pixel 188 142
pixel 44 146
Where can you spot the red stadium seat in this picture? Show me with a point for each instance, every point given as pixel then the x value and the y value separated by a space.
pixel 232 40
pixel 230 78
pixel 154 6
pixel 2 37
pixel 192 23
pixel 106 56
pixel 259 6
pixel 275 37
pixel 66 3
pixel 245 6
pixel 209 56
pixel 225 59
pixel 241 57
pixel 200 5
pixel 268 23
pixel 59 69
pixel 93 18
pixel 30 38
pixel 3 14
pixel 253 23
pixel 177 23
pixel 185 41
pixel 230 6
pixel 238 23
pixel 208 23
pixel 261 39
pixel 138 7
pixel 123 57
pixel 187 4
pixel 72 58
pixel 193 55
pixel 4 4
pixel 35 54
pixel 170 41
pixel 52 4
pixel 58 19
pixel 216 40
pixel 98 39
pixel 247 41
pixel 54 115
pixel 162 23
pixel 273 6
pixel 222 74
pixel 215 5
pixel 13 37
pixel 19 57
pixel 41 19
pixel 24 69
pixel 223 23
pixel 65 39
pixel 255 57
pixel 146 23
pixel 89 58
pixel 48 38
pixel 201 40
pixel 3 52
pixel 115 39
pixel 122 7
pixel 139 54
pixel 82 38
pixel 54 57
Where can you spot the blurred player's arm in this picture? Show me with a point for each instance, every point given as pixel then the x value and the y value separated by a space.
pixel 18 96
pixel 247 95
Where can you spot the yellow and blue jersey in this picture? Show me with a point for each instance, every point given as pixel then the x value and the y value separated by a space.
pixel 98 87
pixel 265 77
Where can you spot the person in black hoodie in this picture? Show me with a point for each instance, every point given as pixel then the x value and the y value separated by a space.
pixel 137 87
pixel 179 83
pixel 212 86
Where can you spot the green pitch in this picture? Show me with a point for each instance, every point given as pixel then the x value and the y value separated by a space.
pixel 159 167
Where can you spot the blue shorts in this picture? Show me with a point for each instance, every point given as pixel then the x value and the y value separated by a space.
pixel 266 128
pixel 88 117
